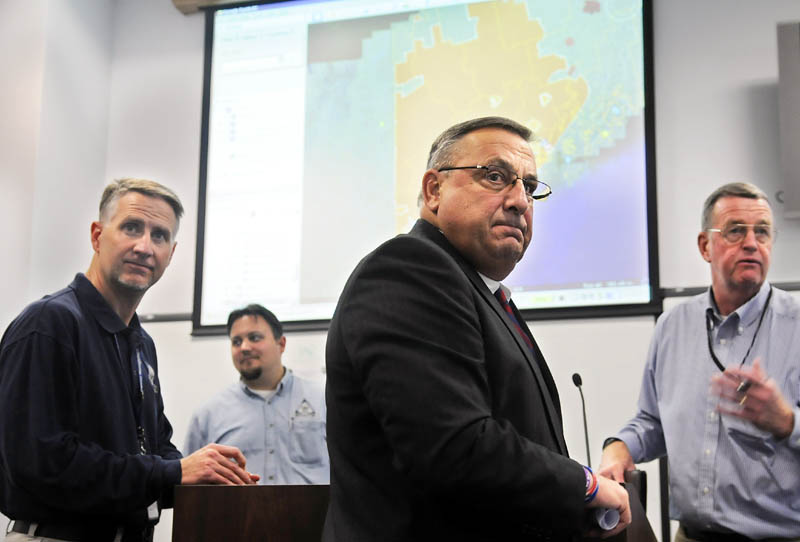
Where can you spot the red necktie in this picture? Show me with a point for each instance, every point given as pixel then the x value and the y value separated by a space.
pixel 501 297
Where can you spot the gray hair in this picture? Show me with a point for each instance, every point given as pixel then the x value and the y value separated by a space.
pixel 737 190
pixel 120 187
pixel 442 149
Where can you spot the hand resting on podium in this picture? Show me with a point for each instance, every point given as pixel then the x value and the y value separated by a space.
pixel 216 464
pixel 613 496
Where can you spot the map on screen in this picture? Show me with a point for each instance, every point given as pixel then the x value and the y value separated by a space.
pixel 321 119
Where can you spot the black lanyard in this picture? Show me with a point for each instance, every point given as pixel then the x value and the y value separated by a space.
pixel 710 328
pixel 134 350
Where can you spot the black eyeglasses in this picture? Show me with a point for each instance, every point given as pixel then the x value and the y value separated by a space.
pixel 497 178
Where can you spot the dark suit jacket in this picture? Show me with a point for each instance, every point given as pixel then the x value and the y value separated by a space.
pixel 442 425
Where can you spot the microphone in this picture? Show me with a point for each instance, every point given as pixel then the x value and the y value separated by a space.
pixel 578 381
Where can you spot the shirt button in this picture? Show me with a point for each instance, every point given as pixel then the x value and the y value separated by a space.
pixel 722 341
pixel 272 451
pixel 271 477
pixel 741 330
pixel 271 425
pixel 705 491
pixel 712 415
pixel 708 452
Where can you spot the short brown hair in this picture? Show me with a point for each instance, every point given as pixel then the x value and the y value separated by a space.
pixel 120 187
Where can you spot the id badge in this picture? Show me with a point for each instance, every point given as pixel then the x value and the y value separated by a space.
pixel 152 511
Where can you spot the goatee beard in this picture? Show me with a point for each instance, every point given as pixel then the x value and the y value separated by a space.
pixel 251 374
pixel 132 286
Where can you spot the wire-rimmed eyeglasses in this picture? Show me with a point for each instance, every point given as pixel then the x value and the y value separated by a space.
pixel 497 178
pixel 734 234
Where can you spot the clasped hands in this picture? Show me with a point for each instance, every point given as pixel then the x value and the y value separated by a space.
pixel 216 464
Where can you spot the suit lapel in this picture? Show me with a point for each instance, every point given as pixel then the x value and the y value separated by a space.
pixel 536 365
pixel 426 230
pixel 546 374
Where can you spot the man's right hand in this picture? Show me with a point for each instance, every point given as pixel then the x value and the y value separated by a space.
pixel 615 461
pixel 213 464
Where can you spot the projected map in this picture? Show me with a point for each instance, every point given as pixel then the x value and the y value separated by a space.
pixel 321 118
pixel 522 60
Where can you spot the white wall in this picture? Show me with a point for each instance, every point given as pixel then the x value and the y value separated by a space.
pixel 98 89
pixel 22 35
pixel 154 122
pixel 716 71
pixel 70 165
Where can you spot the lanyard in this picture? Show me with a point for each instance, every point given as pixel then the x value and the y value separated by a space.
pixel 710 328
pixel 136 395
pixel 135 348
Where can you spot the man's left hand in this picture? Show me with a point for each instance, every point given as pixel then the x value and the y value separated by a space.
pixel 753 396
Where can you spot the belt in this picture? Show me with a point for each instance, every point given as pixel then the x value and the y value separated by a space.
pixel 712 536
pixel 80 532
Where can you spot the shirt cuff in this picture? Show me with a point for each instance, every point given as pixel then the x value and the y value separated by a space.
pixel 632 441
pixel 173 473
pixel 793 440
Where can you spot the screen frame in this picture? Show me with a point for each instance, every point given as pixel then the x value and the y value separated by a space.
pixel 652 308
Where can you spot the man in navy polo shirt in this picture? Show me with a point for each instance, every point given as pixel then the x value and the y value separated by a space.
pixel 85 451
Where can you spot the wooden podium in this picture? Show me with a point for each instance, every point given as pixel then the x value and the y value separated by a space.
pixel 297 513
pixel 246 513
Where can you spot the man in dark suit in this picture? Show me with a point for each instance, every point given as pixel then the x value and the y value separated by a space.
pixel 443 419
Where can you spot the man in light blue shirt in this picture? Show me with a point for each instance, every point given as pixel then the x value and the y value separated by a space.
pixel 276 418
pixel 721 388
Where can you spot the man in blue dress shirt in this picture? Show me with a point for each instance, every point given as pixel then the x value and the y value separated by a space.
pixel 721 387
pixel 276 418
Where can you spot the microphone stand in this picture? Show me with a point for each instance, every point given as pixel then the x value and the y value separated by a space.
pixel 576 379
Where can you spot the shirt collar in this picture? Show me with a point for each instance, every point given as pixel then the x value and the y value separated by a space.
pixel 493 285
pixel 97 305
pixel 284 384
pixel 748 312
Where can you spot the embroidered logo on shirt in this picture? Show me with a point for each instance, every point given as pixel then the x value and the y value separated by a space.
pixel 305 409
pixel 151 375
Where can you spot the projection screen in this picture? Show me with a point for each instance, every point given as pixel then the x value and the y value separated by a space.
pixel 319 115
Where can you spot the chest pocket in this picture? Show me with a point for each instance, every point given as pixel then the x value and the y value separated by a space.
pixel 762 461
pixel 307 440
